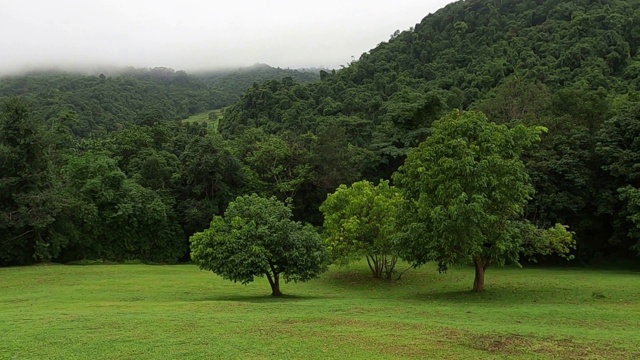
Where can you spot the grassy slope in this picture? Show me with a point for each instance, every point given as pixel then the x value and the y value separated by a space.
pixel 150 312
pixel 204 118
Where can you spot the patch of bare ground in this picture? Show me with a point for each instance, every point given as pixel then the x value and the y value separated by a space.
pixel 419 340
pixel 558 348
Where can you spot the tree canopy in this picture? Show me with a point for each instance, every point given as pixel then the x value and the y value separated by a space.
pixel 468 188
pixel 570 66
pixel 360 220
pixel 256 237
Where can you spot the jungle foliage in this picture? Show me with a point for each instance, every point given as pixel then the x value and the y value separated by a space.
pixel 570 66
pixel 99 166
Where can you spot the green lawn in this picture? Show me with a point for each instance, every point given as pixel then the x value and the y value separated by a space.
pixel 179 312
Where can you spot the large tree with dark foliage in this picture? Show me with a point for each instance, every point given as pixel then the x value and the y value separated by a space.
pixel 467 188
pixel 619 148
pixel 29 196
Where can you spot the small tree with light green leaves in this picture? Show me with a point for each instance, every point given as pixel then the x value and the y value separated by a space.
pixel 360 221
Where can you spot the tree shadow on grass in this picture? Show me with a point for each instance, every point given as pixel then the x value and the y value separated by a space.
pixel 260 298
pixel 504 296
pixel 459 296
pixel 359 279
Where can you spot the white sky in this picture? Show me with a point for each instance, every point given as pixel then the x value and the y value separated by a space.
pixel 198 34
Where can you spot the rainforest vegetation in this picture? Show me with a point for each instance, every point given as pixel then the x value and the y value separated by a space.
pixel 102 167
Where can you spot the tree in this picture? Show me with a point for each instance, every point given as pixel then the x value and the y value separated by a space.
pixel 517 99
pixel 334 157
pixel 282 162
pixel 208 177
pixel 467 188
pixel 256 237
pixel 119 219
pixel 360 220
pixel 29 200
pixel 631 196
pixel 154 169
pixel 619 149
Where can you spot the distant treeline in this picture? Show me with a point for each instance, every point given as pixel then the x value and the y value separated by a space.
pixel 99 103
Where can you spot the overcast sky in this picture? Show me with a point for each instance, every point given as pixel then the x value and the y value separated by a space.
pixel 198 34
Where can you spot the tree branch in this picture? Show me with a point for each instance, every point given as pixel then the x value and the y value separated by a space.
pixel 19 236
pixel 402 273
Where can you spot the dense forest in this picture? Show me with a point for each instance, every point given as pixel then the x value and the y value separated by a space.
pixel 99 167
pixel 228 86
pixel 95 105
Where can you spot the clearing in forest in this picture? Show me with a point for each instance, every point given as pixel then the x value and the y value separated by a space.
pixel 204 117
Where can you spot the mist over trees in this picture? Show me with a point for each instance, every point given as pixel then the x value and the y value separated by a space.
pixel 97 104
pixel 101 167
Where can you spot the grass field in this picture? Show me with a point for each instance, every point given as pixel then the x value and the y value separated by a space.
pixel 204 118
pixel 179 312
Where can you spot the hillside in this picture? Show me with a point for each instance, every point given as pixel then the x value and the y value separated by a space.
pixel 91 167
pixel 93 104
pixel 228 87
pixel 572 66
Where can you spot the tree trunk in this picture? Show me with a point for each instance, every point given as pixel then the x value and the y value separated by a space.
pixel 389 266
pixel 481 267
pixel 274 281
pixel 275 288
pixel 375 266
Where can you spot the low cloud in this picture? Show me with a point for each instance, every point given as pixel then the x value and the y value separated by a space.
pixel 197 35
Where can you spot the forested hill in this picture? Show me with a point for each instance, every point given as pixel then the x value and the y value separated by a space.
pixel 228 87
pixel 92 167
pixel 572 66
pixel 464 52
pixel 98 103
pixel 88 169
